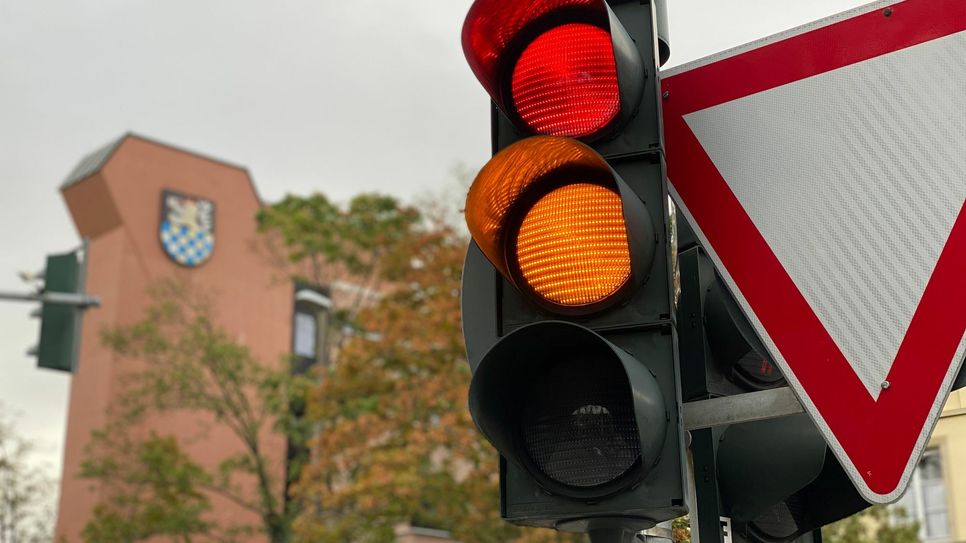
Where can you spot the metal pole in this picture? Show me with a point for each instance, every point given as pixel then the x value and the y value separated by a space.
pixel 748 407
pixel 705 513
pixel 612 535
pixel 65 298
pixel 663 531
pixel 17 296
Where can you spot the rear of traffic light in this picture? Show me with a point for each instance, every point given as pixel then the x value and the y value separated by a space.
pixel 60 323
pixel 776 479
pixel 779 481
pixel 737 360
pixel 567 301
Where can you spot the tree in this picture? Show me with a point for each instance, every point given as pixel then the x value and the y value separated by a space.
pixel 395 441
pixel 154 489
pixel 190 364
pixel 681 530
pixel 877 524
pixel 26 513
pixel 323 244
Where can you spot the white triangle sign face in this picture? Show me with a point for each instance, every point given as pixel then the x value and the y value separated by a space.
pixel 824 171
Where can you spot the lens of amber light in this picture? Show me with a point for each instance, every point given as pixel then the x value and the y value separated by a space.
pixel 572 245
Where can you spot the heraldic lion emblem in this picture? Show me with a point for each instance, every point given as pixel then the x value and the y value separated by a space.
pixel 187 228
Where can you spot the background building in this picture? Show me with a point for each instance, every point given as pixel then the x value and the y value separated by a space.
pixel 119 199
pixel 937 492
pixel 153 211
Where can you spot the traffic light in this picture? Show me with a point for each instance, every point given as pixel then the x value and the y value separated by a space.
pixel 60 323
pixel 567 300
pixel 62 303
pixel 775 479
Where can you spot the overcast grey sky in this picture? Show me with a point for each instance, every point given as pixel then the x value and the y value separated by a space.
pixel 333 96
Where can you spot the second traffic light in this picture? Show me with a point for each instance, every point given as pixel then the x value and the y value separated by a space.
pixel 776 480
pixel 60 321
pixel 567 297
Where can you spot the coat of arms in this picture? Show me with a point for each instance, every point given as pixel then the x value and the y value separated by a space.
pixel 187 228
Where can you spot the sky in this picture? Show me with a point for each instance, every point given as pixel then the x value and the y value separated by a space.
pixel 338 97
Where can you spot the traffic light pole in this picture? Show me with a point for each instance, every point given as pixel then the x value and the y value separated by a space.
pixel 705 513
pixel 62 298
pixel 78 299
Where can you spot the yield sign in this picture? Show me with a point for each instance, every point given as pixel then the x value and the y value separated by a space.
pixel 824 171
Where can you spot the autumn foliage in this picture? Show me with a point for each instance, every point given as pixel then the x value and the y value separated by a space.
pixel 395 441
pixel 389 436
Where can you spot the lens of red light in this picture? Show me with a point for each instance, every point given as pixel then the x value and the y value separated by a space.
pixel 565 81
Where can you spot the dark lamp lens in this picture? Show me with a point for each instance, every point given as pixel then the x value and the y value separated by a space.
pixel 780 522
pixel 565 81
pixel 578 424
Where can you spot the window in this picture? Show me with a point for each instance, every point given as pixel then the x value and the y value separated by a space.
pixel 305 335
pixel 925 499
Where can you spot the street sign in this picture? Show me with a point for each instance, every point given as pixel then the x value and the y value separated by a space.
pixel 824 171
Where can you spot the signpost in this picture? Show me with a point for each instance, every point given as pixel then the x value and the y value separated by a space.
pixel 824 171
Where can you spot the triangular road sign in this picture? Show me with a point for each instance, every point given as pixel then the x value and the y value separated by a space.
pixel 824 171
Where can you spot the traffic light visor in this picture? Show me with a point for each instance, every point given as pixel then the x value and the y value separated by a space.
pixel 737 350
pixel 550 215
pixel 554 67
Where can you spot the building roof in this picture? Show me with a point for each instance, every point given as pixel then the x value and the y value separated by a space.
pixel 93 162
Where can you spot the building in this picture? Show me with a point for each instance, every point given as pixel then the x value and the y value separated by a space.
pixel 937 492
pixel 153 211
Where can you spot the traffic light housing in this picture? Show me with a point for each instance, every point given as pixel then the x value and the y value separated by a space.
pixel 567 300
pixel 775 479
pixel 60 323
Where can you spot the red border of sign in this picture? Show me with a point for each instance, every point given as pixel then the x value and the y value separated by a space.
pixel 880 436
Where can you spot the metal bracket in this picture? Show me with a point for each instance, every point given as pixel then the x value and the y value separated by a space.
pixel 65 298
pixel 662 531
pixel 752 406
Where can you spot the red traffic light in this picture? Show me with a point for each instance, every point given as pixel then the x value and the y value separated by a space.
pixel 555 67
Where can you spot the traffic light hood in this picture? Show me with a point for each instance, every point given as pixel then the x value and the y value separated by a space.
pixel 557 67
pixel 582 416
pixel 559 224
pixel 735 347
pixel 778 480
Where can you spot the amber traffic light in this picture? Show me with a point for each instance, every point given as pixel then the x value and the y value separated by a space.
pixel 560 225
